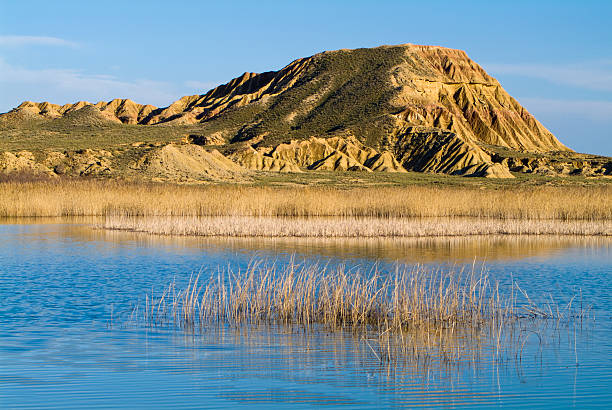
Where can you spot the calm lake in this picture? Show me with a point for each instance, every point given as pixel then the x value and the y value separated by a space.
pixel 67 289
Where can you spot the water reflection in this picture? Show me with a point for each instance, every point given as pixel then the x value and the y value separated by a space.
pixel 403 250
pixel 59 280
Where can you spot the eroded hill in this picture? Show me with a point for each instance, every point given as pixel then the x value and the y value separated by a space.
pixel 386 109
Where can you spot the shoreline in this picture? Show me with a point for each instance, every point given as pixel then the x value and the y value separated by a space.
pixel 274 227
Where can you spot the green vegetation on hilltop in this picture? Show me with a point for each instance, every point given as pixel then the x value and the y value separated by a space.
pixel 340 90
pixel 350 88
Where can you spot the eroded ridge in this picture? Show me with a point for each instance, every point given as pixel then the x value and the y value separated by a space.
pixel 388 109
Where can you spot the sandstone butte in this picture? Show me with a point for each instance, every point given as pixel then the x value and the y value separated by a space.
pixel 386 109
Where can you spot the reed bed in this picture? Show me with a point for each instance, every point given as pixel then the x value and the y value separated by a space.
pixel 350 227
pixel 407 311
pixel 72 197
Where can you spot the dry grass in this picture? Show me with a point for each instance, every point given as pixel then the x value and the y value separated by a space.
pixel 408 311
pixel 350 227
pixel 94 197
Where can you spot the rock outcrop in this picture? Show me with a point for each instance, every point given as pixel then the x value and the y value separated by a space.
pixel 187 163
pixel 85 162
pixel 322 154
pixel 250 158
pixel 19 162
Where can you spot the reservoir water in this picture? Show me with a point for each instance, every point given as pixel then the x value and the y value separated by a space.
pixel 67 288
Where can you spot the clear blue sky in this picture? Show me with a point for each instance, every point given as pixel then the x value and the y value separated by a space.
pixel 555 57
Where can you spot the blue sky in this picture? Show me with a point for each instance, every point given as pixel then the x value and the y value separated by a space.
pixel 555 57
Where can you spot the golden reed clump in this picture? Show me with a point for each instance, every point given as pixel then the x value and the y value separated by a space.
pixel 104 198
pixel 338 298
pixel 405 310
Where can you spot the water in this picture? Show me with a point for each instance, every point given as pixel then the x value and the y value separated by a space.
pixel 65 291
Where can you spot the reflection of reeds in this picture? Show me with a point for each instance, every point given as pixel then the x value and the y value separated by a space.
pixel 403 250
pixel 405 312
pixel 237 226
pixel 92 197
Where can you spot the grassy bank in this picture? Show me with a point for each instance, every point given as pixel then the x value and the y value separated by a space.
pixel 110 198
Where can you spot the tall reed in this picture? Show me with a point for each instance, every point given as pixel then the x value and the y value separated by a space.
pixel 406 308
pixel 100 197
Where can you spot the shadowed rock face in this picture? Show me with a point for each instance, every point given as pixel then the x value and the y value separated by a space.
pixel 388 109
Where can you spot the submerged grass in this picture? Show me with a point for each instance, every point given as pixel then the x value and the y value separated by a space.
pixel 415 312
pixel 105 197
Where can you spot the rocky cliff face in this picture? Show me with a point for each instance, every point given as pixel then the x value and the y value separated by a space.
pixel 389 109
pixel 451 92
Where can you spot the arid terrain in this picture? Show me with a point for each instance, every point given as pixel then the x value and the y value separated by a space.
pixel 389 110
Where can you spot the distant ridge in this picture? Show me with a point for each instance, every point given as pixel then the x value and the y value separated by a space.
pixel 125 111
